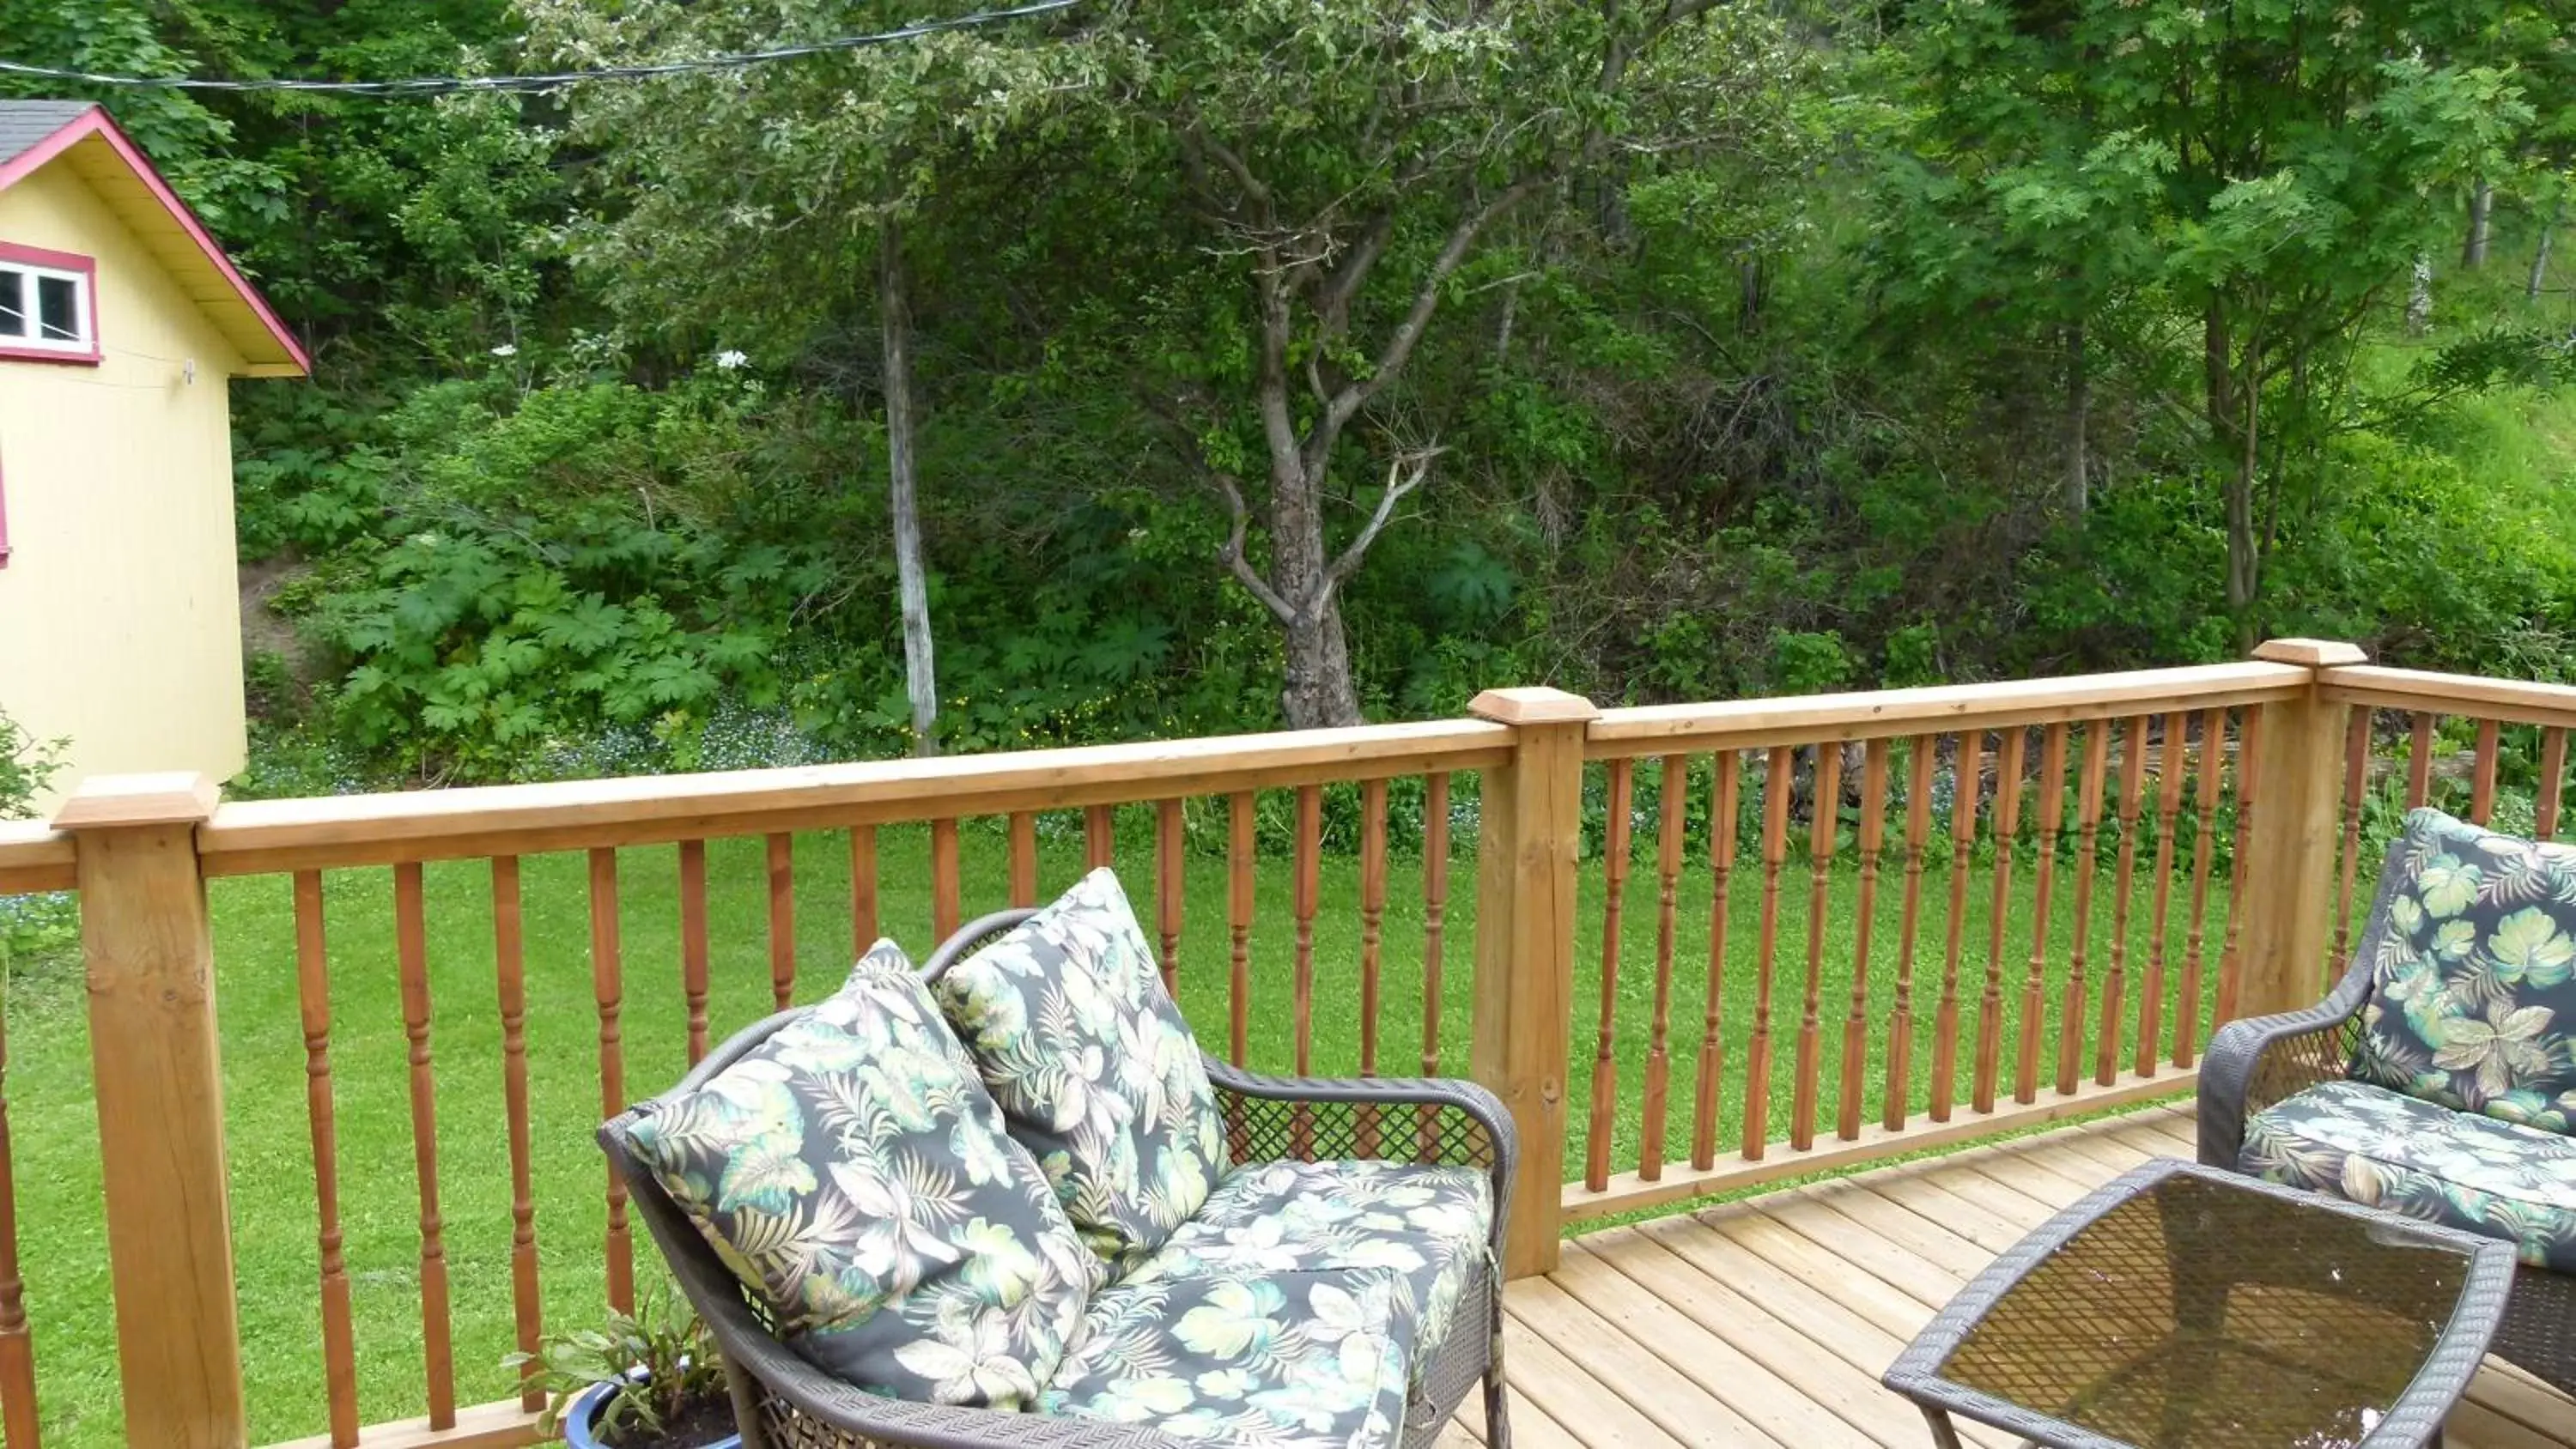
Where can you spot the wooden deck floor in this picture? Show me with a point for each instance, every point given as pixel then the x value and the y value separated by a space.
pixel 1768 1321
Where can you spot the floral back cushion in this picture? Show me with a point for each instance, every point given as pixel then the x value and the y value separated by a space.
pixel 1069 1024
pixel 857 1177
pixel 2473 961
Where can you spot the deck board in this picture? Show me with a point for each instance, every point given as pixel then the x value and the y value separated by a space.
pixel 1768 1321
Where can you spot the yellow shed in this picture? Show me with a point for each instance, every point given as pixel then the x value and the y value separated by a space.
pixel 121 322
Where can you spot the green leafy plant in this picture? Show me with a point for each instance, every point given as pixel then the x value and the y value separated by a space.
pixel 27 765
pixel 660 1360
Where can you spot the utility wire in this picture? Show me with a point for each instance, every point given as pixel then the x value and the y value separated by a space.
pixel 449 85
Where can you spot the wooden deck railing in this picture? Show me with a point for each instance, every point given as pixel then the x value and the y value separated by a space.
pixel 1712 946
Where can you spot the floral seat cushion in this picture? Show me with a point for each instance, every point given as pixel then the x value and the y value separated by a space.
pixel 855 1174
pixel 1427 1226
pixel 2473 961
pixel 1098 1075
pixel 1264 1359
pixel 2385 1149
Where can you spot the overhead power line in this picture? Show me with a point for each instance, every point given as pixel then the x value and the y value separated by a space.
pixel 448 85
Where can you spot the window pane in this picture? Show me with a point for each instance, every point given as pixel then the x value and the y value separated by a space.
pixel 13 304
pixel 58 309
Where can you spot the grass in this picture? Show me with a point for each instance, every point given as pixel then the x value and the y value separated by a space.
pixel 62 1234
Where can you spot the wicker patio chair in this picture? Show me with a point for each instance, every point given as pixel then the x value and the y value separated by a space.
pixel 2259 1062
pixel 781 1401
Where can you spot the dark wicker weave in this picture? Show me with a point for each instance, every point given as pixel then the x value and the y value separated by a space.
pixel 2254 1063
pixel 783 1402
pixel 2179 1305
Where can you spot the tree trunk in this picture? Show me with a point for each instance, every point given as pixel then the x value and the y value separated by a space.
pixel 1319 692
pixel 2419 297
pixel 2244 546
pixel 2079 409
pixel 2538 282
pixel 894 305
pixel 2473 252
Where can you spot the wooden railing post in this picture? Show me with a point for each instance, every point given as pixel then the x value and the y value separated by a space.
pixel 150 959
pixel 1531 841
pixel 2289 871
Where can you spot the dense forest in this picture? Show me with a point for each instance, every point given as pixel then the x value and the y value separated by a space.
pixel 1148 367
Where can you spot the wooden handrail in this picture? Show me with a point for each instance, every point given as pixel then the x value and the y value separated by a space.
pixel 34 857
pixel 265 836
pixel 1811 719
pixel 2466 694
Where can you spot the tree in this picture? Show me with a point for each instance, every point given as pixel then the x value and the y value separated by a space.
pixel 2273 161
pixel 801 186
pixel 1347 163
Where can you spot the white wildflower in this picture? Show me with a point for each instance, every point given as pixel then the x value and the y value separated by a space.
pixel 729 360
pixel 505 350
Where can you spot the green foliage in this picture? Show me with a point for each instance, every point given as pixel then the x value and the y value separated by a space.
pixel 660 1358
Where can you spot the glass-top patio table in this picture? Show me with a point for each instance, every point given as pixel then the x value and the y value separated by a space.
pixel 2180 1307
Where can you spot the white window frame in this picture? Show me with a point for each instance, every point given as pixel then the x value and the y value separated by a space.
pixel 83 346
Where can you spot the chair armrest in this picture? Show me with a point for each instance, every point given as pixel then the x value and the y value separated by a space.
pixel 2259 1060
pixel 1436 1121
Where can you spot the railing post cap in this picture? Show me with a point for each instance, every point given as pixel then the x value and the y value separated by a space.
pixel 1533 705
pixel 2314 653
pixel 181 797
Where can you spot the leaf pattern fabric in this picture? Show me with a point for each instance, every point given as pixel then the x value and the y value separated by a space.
pixel 855 1174
pixel 2418 1158
pixel 1094 1068
pixel 2473 964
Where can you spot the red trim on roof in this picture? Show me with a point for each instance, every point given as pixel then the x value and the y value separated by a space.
pixel 95 122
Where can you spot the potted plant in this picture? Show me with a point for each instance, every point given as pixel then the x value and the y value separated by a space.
pixel 647 1380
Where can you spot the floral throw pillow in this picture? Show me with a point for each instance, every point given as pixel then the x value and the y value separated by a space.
pixel 855 1174
pixel 2473 962
pixel 1069 1023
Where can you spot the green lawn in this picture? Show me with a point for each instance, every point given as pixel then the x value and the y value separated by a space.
pixel 264 1065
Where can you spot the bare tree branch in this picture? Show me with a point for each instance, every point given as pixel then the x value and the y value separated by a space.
pixel 1398 484
pixel 1232 555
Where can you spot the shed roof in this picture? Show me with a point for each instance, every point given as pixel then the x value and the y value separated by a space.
pixel 34 134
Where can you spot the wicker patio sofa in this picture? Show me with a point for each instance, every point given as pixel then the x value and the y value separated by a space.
pixel 2436 1079
pixel 1320 1171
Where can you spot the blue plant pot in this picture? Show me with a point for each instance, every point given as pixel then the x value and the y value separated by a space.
pixel 583 1413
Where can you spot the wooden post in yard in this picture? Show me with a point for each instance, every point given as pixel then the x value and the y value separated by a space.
pixel 2289 875
pixel 150 961
pixel 1531 841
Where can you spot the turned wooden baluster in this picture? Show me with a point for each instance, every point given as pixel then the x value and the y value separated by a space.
pixel 1605 1068
pixel 1776 785
pixel 1171 884
pixel 782 920
pixel 863 889
pixel 2419 761
pixel 2115 991
pixel 2007 832
pixel 2553 770
pixel 1921 756
pixel 2073 1005
pixel 2356 771
pixel 2249 724
pixel 2482 783
pixel 1024 859
pixel 1435 912
pixel 2051 786
pixel 1100 836
pixel 1238 921
pixel 411 946
pixel 947 889
pixel 339 1336
pixel 1723 813
pixel 1309 885
pixel 693 943
pixel 1825 825
pixel 608 990
pixel 1672 796
pixel 1967 783
pixel 1372 919
pixel 1873 827
pixel 2213 746
pixel 2172 764
pixel 510 960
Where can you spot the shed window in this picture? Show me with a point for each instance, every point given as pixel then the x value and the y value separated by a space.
pixel 46 309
